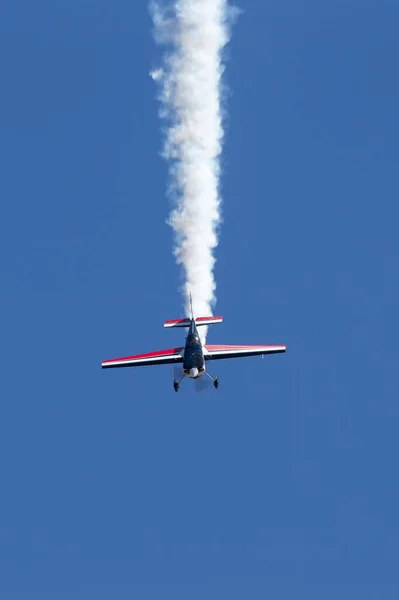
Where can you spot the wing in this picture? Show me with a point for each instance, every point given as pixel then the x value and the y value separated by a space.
pixel 163 357
pixel 217 352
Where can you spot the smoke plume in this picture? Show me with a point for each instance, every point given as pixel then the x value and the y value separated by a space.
pixel 195 33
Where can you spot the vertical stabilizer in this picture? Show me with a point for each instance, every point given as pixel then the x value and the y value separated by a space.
pixel 191 304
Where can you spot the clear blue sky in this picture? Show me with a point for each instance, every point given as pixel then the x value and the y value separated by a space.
pixel 282 484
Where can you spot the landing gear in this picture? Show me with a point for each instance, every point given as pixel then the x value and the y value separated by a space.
pixel 215 380
pixel 176 384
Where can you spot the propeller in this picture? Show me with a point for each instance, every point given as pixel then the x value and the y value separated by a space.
pixel 202 384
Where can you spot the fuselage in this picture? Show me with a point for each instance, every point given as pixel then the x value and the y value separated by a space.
pixel 194 362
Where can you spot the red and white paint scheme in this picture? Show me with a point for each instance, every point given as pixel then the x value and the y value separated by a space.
pixel 163 357
pixel 198 321
pixel 217 352
pixel 193 355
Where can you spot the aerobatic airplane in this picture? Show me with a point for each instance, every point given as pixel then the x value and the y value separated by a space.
pixel 193 354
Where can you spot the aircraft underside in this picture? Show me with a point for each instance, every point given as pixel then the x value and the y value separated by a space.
pixel 193 355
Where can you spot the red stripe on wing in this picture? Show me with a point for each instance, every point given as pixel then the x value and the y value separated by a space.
pixel 217 348
pixel 160 353
pixel 219 352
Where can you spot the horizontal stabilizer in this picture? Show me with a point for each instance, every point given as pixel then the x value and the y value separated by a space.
pixel 198 321
pixel 207 320
pixel 177 323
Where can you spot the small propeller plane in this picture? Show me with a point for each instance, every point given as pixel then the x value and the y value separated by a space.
pixel 193 354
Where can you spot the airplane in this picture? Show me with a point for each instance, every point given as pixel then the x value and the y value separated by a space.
pixel 194 355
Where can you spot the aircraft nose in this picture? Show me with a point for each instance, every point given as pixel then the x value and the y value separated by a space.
pixel 193 372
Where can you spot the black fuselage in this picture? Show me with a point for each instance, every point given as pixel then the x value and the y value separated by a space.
pixel 194 362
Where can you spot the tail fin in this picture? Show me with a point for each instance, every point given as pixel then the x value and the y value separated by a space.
pixel 198 321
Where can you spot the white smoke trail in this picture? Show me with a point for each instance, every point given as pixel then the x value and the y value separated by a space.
pixel 196 31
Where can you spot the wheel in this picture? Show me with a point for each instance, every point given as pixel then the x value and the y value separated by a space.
pixel 216 383
pixel 176 386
